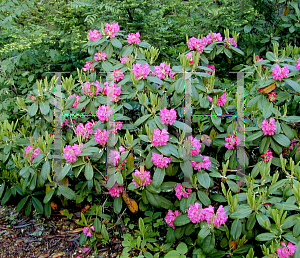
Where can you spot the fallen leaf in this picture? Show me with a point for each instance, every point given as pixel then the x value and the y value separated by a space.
pixel 85 208
pixel 54 206
pixel 132 205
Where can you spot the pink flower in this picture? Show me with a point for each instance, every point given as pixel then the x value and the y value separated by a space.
pixel 77 98
pixel 210 98
pixel 112 91
pixel 160 137
pixel 87 66
pixel 100 56
pixel 205 164
pixel 111 29
pixel 286 251
pixel 115 190
pixel 70 152
pixel 216 38
pixel 101 137
pixel 196 146
pixel 122 149
pixel 34 153
pixel 160 161
pixel 268 155
pixel 33 97
pixel 167 117
pixel 259 59
pixel 232 141
pixel 140 71
pixel 298 64
pixel 221 218
pixel 94 35
pixel 211 67
pixel 206 214
pixel 230 41
pixel 116 125
pixel 189 57
pixel 114 157
pixel 134 38
pixel 87 231
pixel 222 100
pixel 268 127
pixel 143 178
pixel 197 44
pixel 118 75
pixel 86 249
pixel 162 71
pixel 171 216
pixel 279 73
pixel 86 87
pixel 180 191
pixel 194 212
pixel 85 130
pixel 103 113
pixel 125 59
pixel 272 96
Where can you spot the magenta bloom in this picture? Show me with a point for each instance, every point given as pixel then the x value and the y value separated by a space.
pixel 171 216
pixel 160 137
pixel 211 67
pixel 221 218
pixel 163 71
pixel 111 29
pixel 101 137
pixel 268 155
pixel 115 190
pixel 94 35
pixel 86 87
pixel 272 96
pixel 143 178
pixel 230 41
pixel 87 66
pixel 125 59
pixel 100 56
pixel 140 71
pixel 287 251
pixel 210 98
pixel 189 57
pixel 195 144
pixel 103 113
pixel 181 191
pixel 268 128
pixel 85 130
pixel 70 152
pixel 298 64
pixel 167 117
pixel 134 38
pixel 232 141
pixel 118 75
pixel 196 44
pixel 279 73
pixel 112 91
pixel 116 126
pixel 34 154
pixel 216 38
pixel 114 157
pixel 222 100
pixel 160 161
pixel 194 212
pixel 205 164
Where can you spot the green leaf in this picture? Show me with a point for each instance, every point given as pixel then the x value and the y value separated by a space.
pixel 182 126
pixel 155 80
pixel 282 140
pixel 97 224
pixel 264 144
pixel 104 233
pixel 6 196
pixel 218 110
pixel 126 51
pixel 43 176
pixel 270 56
pixel 204 232
pixel 228 53
pixel 236 229
pixel 33 109
pixel 89 172
pixel 248 28
pixel 182 248
pixel 152 198
pixel 144 44
pixel 265 237
pixel 70 102
pixel 107 66
pixel 173 254
pixel 37 205
pixel 237 50
pixel 117 204
pixel 158 177
pixel 164 202
pixel 241 213
pixel 116 43
pixel 203 198
pixel 48 195
pixel 65 170
pixel 203 179
pixel 141 120
pixel 291 119
pixel 67 192
pixel 44 106
pixel 181 220
pixel 277 185
pixel 287 130
pixel 254 136
pixel 297 252
pixel 21 203
pixel 216 120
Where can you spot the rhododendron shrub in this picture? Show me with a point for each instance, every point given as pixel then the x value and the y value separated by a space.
pixel 169 137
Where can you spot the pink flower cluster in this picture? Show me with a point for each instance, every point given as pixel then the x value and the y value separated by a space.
pixel 101 137
pixel 160 161
pixel 181 191
pixel 268 155
pixel 211 67
pixel 189 57
pixel 222 100
pixel 160 137
pixel 114 157
pixel 116 125
pixel 232 141
pixel 272 96
pixel 115 190
pixel 268 128
pixel 196 146
pixel 210 98
pixel 143 178
pixel 279 73
pixel 86 87
pixel 163 71
pixel 87 66
pixel 298 64
pixel 103 113
pixel 111 29
pixel 100 56
pixel 205 164
pixel 125 59
pixel 70 152
pixel 230 41
pixel 134 38
pixel 85 130
pixel 287 251
pixel 118 75
pixel 112 91
pixel 87 232
pixel 34 154
pixel 196 215
pixel 167 117
pixel 94 35
pixel 171 216
pixel 293 142
pixel 140 71
pixel 199 44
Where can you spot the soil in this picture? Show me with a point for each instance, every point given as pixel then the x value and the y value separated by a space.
pixel 24 237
